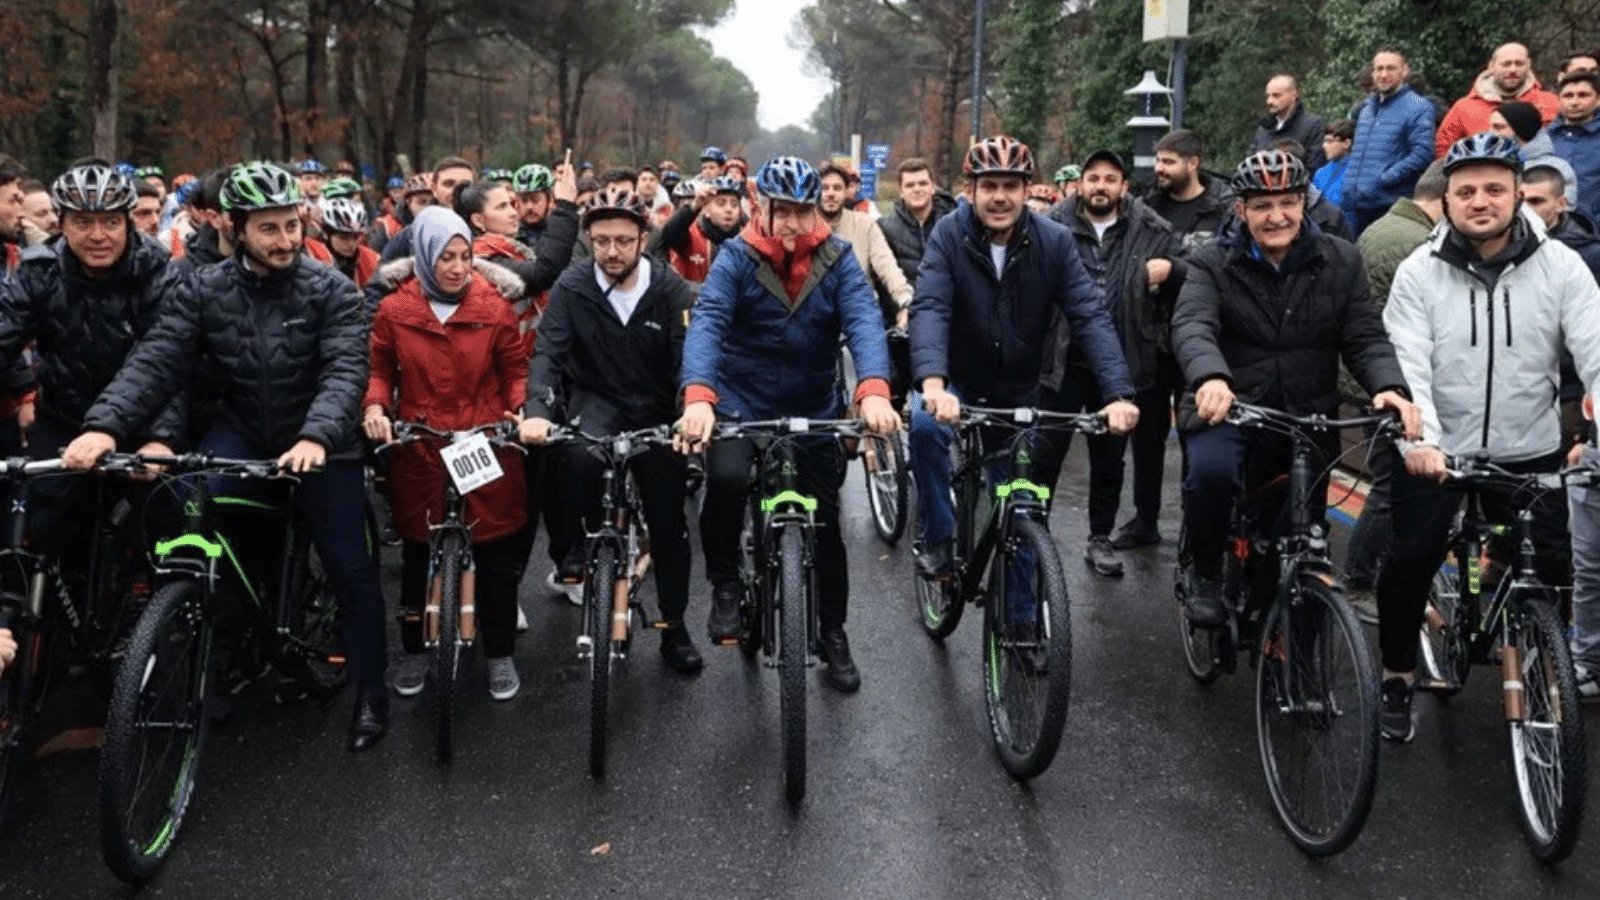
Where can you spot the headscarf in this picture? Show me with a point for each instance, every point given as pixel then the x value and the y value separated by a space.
pixel 434 228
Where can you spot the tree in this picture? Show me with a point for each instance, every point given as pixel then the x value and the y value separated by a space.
pixel 101 95
pixel 1028 58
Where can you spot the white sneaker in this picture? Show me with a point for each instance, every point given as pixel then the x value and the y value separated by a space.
pixel 503 680
pixel 574 592
pixel 1588 685
pixel 411 674
pixel 522 619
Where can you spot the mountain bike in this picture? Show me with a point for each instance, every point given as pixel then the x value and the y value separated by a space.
pixel 1006 561
pixel 215 593
pixel 887 475
pixel 1513 623
pixel 1316 690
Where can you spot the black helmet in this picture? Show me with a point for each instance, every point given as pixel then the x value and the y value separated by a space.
pixel 615 202
pixel 998 155
pixel 1484 147
pixel 1269 172
pixel 94 187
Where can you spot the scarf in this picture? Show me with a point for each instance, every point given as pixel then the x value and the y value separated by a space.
pixel 790 266
pixel 434 228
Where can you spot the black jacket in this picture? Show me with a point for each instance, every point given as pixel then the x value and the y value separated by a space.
pixel 1116 262
pixel 1199 220
pixel 906 236
pixel 1277 337
pixel 614 376
pixel 1301 126
pixel 199 249
pixel 84 329
pixel 286 352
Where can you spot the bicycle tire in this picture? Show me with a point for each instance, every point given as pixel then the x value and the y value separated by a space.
pixel 793 650
pixel 1317 721
pixel 14 715
pixel 142 804
pixel 447 653
pixel 939 603
pixel 1444 654
pixel 316 645
pixel 597 614
pixel 1202 647
pixel 887 488
pixel 1027 655
pixel 1548 753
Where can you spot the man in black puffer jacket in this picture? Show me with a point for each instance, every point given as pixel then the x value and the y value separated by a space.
pixel 84 302
pixel 1266 313
pixel 285 340
pixel 920 207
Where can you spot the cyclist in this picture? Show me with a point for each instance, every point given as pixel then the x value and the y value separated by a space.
pixel 283 343
pixel 312 175
pixel 696 232
pixel 712 161
pixel 1265 315
pixel 344 223
pixel 756 353
pixel 445 351
pixel 1478 322
pixel 546 201
pixel 611 344
pixel 415 197
pixel 866 240
pixel 491 211
pixel 994 276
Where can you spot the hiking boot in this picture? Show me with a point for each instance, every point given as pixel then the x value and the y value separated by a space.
pixel 841 673
pixel 1395 721
pixel 1101 557
pixel 1136 532
pixel 723 624
pixel 1204 604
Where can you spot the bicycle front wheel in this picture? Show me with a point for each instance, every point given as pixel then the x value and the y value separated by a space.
pixel 1027 650
pixel 155 732
pixel 447 653
pixel 597 602
pixel 1547 742
pixel 888 484
pixel 793 650
pixel 1317 717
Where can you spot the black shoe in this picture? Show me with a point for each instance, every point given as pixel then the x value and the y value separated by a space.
pixel 679 651
pixel 1204 603
pixel 723 624
pixel 935 562
pixel 1136 532
pixel 841 674
pixel 370 720
pixel 1395 721
pixel 1101 557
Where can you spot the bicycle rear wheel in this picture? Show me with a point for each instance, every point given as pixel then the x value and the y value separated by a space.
pixel 447 654
pixel 156 732
pixel 597 602
pixel 315 646
pixel 793 651
pixel 1548 756
pixel 1027 650
pixel 1444 655
pixel 1317 717
pixel 939 603
pixel 887 485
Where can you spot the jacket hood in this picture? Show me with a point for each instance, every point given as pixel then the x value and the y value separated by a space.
pixel 506 283
pixel 1528 232
pixel 1485 88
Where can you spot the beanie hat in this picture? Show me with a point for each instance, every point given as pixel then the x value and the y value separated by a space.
pixel 1523 118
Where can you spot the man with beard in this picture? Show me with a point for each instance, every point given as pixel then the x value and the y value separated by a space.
pixel 1288 118
pixel 691 238
pixel 866 241
pixel 39 208
pixel 11 218
pixel 1193 202
pixel 1133 258
pixel 1509 76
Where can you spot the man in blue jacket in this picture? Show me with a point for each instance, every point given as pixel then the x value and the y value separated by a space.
pixel 994 275
pixel 1575 134
pixel 1393 145
pixel 762 344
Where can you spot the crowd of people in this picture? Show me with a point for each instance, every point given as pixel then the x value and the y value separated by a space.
pixel 1386 257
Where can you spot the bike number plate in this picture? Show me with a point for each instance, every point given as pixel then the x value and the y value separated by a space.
pixel 471 463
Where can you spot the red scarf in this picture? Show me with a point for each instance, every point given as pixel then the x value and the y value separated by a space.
pixel 791 266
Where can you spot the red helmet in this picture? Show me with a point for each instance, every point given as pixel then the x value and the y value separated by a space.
pixel 998 155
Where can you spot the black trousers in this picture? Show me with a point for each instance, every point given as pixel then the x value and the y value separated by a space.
pixel 499 570
pixel 1080 392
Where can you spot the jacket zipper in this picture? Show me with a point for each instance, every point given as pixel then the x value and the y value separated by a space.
pixel 1488 381
pixel 1505 297
pixel 1472 298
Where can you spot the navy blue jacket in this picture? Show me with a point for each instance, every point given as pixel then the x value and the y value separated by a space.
pixel 1579 145
pixel 1001 325
pixel 1393 145
pixel 766 360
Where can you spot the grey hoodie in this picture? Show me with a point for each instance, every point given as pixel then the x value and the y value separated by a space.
pixel 1539 152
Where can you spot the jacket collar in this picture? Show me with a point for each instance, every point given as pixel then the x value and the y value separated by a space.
pixel 481 305
pixel 1528 232
pixel 1306 249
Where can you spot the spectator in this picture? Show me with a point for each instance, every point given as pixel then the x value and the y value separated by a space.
pixel 1393 143
pixel 1192 201
pixel 1575 134
pixel 1336 149
pixel 1287 118
pixel 147 211
pixel 1521 121
pixel 1586 61
pixel 1508 77
pixel 39 209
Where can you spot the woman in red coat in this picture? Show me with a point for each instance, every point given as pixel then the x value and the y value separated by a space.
pixel 446 353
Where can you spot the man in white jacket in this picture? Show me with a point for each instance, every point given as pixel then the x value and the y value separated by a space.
pixel 1478 317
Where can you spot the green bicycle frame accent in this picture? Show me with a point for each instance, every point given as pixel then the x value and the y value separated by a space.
pixel 211 549
pixel 1004 491
pixel 771 504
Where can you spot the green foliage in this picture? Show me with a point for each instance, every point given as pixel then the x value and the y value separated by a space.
pixel 1029 67
pixel 1106 59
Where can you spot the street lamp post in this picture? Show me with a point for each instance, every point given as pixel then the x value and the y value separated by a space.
pixel 1147 126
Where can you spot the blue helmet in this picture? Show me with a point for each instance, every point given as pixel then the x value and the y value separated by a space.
pixel 727 184
pixel 714 154
pixel 1484 147
pixel 126 168
pixel 788 178
pixel 395 181
pixel 311 167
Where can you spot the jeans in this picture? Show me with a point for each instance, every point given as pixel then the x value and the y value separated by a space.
pixel 1217 457
pixel 1583 507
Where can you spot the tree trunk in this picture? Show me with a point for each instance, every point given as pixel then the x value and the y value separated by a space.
pixel 408 92
pixel 317 28
pixel 566 120
pixel 949 101
pixel 346 101
pixel 102 78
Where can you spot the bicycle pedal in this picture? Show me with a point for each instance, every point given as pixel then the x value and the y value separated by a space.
pixel 726 642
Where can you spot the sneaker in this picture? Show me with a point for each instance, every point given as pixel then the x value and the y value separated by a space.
pixel 503 680
pixel 935 561
pixel 723 624
pixel 1395 721
pixel 1136 532
pixel 1204 605
pixel 1365 603
pixel 573 592
pixel 411 674
pixel 1101 557
pixel 679 651
pixel 522 620
pixel 1588 685
pixel 841 673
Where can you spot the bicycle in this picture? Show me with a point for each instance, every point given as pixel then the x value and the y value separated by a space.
pixel 1316 689
pixel 449 614
pixel 1005 542
pixel 617 559
pixel 887 476
pixel 48 604
pixel 779 611
pixel 1520 629
pixel 160 716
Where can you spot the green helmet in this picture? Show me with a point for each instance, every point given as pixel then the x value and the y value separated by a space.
pixel 532 178
pixel 341 187
pixel 256 186
pixel 1068 173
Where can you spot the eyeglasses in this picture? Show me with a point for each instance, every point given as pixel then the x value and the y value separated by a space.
pixel 621 243
pixel 1284 202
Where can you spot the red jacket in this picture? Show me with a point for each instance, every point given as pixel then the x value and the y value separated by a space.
pixel 694 264
pixel 465 372
pixel 1470 114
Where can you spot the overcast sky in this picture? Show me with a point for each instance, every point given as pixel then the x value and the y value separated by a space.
pixel 755 38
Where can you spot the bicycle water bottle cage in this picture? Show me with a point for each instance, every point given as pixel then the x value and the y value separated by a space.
pixel 771 504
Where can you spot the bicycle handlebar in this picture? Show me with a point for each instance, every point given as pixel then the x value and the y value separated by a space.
pixel 194 462
pixel 791 426
pixel 1249 414
pixel 624 443
pixel 500 434
pixel 1029 417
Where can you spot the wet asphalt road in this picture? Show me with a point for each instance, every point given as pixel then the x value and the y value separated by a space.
pixel 1156 792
